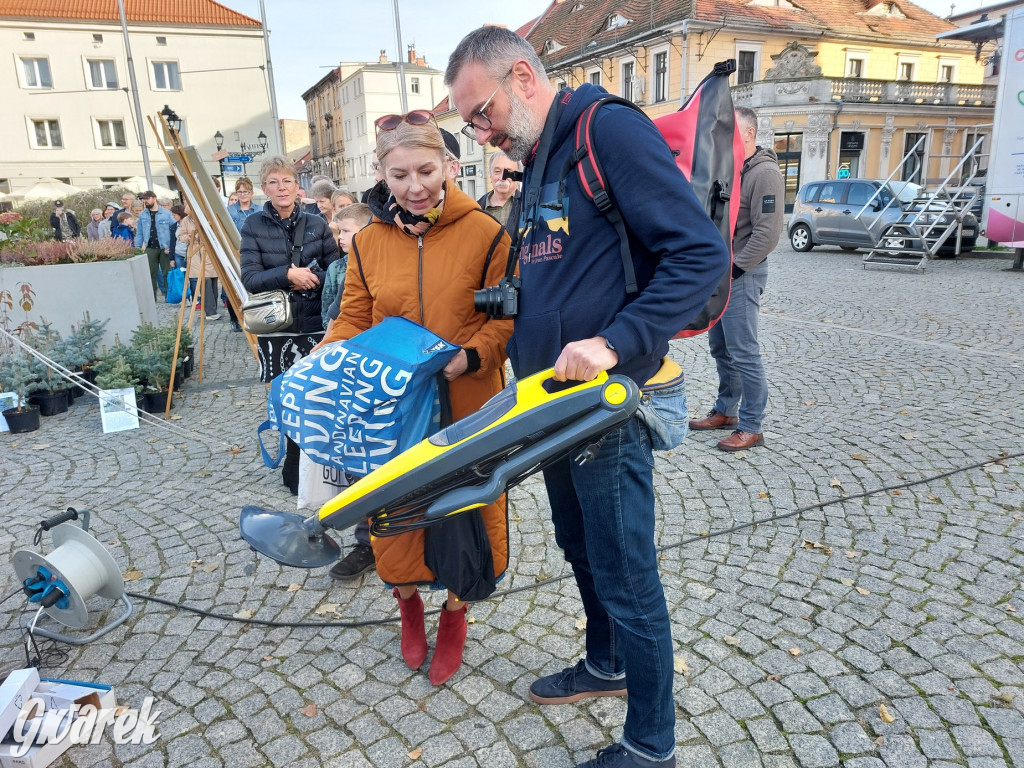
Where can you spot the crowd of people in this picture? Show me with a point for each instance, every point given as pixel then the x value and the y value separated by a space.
pixel 416 246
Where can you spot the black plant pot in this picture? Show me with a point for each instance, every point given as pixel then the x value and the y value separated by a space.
pixel 26 420
pixel 78 390
pixel 186 367
pixel 154 402
pixel 179 379
pixel 52 402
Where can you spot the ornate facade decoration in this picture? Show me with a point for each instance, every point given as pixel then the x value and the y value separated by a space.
pixel 795 60
pixel 887 131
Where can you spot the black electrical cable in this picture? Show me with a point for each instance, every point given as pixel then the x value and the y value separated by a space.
pixel 15 592
pixel 555 579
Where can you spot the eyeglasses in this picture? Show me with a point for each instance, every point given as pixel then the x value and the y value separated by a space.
pixel 275 183
pixel 416 117
pixel 469 130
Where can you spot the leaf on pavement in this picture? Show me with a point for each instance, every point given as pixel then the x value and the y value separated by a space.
pixel 245 613
pixel 211 567
pixel 863 591
pixel 860 457
pixel 852 554
pixel 908 435
pixel 581 623
pixel 730 640
pixel 415 754
pixel 847 582
pixel 235 450
pixel 323 610
pixel 294 587
pixel 309 710
pixel 884 714
pixel 132 575
pixel 835 483
pixel 681 666
pixel 794 651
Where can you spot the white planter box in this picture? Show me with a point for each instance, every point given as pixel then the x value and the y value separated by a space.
pixel 62 293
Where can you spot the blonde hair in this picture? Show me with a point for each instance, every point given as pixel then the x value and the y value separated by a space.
pixel 245 181
pixel 276 164
pixel 410 136
pixel 357 212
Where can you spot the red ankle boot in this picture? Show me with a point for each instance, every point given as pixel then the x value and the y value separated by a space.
pixel 414 635
pixel 451 639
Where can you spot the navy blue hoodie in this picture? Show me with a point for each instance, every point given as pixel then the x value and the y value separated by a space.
pixel 573 282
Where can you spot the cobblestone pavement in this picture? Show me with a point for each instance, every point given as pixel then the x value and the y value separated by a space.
pixel 791 635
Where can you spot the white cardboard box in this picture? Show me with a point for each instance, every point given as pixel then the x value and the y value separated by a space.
pixel 61 695
pixel 15 691
pixel 38 756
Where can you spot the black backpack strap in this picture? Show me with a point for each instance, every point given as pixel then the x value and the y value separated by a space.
pixel 595 183
pixel 359 266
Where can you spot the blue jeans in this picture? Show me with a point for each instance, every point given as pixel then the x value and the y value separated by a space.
pixel 603 513
pixel 742 386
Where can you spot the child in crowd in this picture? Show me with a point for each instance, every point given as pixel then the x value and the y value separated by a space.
pixel 341 200
pixel 125 226
pixel 348 220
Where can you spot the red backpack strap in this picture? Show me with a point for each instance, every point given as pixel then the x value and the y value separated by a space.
pixel 595 184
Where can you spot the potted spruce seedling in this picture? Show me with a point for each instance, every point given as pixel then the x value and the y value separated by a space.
pixel 154 365
pixel 20 375
pixel 82 347
pixel 54 397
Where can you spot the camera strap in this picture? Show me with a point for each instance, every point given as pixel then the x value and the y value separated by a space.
pixel 532 196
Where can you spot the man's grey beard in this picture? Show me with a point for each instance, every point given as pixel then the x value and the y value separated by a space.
pixel 519 129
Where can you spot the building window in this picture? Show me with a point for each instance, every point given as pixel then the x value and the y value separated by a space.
pixel 595 77
pixel 97 38
pixel 627 80
pixel 360 125
pixel 46 134
pixel 945 73
pixel 914 166
pixel 161 41
pixel 344 95
pixel 357 88
pixel 29 35
pixel 36 73
pixel 348 130
pixel 414 84
pixel 111 181
pixel 661 76
pixel 102 74
pixel 110 134
pixel 745 63
pixel 165 76
pixel 855 68
pixel 561 85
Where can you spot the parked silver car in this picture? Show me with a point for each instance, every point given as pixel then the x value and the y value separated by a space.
pixel 824 214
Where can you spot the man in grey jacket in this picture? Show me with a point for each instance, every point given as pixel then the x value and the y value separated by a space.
pixel 742 386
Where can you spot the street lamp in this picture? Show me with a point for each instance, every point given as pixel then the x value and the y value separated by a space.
pixel 262 137
pixel 173 121
pixel 219 138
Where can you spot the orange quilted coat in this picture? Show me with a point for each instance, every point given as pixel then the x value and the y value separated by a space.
pixel 430 280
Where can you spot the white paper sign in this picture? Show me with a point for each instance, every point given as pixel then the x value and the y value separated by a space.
pixel 117 410
pixel 7 400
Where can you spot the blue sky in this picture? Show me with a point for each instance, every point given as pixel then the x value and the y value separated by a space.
pixel 308 38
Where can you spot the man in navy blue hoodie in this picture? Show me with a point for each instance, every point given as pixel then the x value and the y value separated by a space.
pixel 575 315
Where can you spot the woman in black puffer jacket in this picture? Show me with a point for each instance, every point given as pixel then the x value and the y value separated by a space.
pixel 267 245
pixel 267 264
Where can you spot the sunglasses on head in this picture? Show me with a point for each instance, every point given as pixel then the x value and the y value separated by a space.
pixel 416 117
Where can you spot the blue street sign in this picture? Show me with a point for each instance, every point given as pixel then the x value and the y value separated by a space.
pixel 231 167
pixel 238 159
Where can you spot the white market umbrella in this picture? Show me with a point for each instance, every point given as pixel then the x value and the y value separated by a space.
pixel 47 189
pixel 137 184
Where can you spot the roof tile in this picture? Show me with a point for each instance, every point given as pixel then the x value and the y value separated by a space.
pixel 186 12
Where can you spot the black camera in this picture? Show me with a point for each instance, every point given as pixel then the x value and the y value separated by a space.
pixel 499 301
pixel 312 293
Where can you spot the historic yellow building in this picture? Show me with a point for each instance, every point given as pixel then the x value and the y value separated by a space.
pixel 841 87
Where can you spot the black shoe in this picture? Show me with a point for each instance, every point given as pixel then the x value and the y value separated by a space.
pixel 573 684
pixel 235 326
pixel 354 564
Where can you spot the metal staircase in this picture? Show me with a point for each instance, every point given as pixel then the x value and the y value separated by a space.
pixel 918 234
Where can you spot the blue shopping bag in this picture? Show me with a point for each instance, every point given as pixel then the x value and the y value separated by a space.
pixel 358 403
pixel 175 285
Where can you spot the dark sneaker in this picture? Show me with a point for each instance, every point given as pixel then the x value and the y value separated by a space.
pixel 235 326
pixel 573 684
pixel 617 756
pixel 355 563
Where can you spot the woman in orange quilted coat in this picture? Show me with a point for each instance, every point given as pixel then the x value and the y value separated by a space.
pixel 427 249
